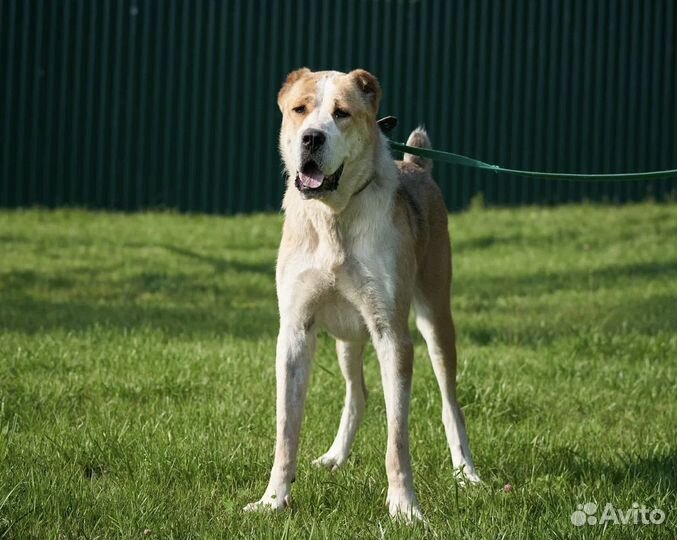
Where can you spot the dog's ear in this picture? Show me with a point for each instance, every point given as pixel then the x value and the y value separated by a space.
pixel 369 86
pixel 291 79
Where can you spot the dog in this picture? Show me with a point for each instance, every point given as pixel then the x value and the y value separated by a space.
pixel 364 238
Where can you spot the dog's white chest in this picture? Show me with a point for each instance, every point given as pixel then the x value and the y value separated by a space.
pixel 332 283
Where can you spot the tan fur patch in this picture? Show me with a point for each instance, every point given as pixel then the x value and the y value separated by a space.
pixel 291 80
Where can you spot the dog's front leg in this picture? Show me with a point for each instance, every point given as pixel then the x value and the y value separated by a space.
pixel 295 348
pixel 396 355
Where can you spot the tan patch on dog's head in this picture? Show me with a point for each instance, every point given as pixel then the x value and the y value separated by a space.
pixel 369 86
pixel 358 94
pixel 291 80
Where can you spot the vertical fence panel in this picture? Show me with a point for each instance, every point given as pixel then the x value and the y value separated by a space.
pixel 7 38
pixel 27 16
pixel 131 104
pixel 36 102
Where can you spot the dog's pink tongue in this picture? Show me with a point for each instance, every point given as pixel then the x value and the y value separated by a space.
pixel 311 181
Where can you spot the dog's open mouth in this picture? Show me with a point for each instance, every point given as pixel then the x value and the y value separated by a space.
pixel 312 182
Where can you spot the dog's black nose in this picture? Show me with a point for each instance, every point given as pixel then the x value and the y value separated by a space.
pixel 312 139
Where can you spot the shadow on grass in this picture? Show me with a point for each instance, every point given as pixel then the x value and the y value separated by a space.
pixel 486 321
pixel 513 240
pixel 657 473
pixel 220 301
pixel 34 316
pixel 509 284
pixel 534 327
pixel 237 298
pixel 218 264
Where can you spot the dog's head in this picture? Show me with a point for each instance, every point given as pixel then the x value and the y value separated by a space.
pixel 329 131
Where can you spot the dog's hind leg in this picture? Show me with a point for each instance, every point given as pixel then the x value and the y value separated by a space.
pixel 434 321
pixel 350 357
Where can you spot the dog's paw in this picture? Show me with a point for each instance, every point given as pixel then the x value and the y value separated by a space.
pixel 269 503
pixel 330 460
pixel 466 478
pixel 404 507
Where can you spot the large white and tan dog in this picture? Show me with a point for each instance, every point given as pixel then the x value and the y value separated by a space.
pixel 364 236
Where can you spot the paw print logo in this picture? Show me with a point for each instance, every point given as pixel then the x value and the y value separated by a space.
pixel 585 513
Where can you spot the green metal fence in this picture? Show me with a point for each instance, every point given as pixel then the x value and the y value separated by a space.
pixel 171 103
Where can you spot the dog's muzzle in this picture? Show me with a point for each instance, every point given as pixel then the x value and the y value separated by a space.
pixel 312 182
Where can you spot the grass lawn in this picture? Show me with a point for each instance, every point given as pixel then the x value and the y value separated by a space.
pixel 137 380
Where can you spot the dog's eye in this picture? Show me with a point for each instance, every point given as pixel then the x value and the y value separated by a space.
pixel 300 109
pixel 341 113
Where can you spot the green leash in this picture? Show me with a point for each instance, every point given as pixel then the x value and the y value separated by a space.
pixel 389 122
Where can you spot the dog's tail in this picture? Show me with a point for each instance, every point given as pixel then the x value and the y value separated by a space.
pixel 419 138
